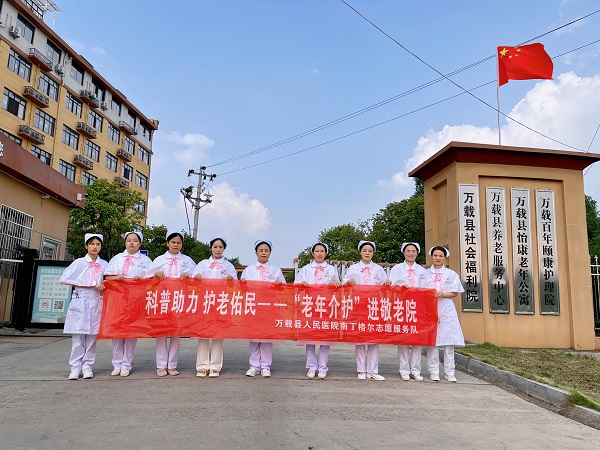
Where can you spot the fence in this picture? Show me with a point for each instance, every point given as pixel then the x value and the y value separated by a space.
pixel 595 269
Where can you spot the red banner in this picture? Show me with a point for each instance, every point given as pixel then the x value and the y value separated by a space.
pixel 258 310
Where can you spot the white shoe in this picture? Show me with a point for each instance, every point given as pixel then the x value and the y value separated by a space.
pixel 124 372
pixel 252 372
pixel 322 374
pixel 311 373
pixel 266 373
pixel 74 375
pixel 434 377
pixel 405 377
pixel 87 374
pixel 375 376
pixel 362 376
pixel 116 372
pixel 416 377
pixel 451 378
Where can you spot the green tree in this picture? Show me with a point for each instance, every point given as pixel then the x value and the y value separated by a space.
pixel 593 225
pixel 342 241
pixel 109 211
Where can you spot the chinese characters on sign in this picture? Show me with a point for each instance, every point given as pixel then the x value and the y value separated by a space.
pixel 497 249
pixel 547 256
pixel 50 298
pixel 524 299
pixel 470 246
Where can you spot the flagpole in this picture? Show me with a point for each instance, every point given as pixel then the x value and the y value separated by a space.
pixel 498 94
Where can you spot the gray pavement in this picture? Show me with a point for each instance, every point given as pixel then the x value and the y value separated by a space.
pixel 40 408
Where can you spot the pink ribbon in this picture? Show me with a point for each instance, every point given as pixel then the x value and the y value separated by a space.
pixel 95 269
pixel 319 274
pixel 216 265
pixel 437 279
pixel 366 275
pixel 411 278
pixel 263 271
pixel 173 270
pixel 126 265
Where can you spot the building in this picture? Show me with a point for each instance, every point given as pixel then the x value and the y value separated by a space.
pixel 58 107
pixel 61 125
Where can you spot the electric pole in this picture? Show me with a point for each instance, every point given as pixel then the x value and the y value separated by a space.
pixel 202 196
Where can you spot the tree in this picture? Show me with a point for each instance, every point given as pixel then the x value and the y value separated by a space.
pixel 109 210
pixel 399 222
pixel 593 225
pixel 342 241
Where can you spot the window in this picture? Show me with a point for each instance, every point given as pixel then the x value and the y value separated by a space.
pixel 114 134
pixel 141 206
pixel 12 137
pixel 44 122
pixel 127 171
pixel 15 229
pixel 141 180
pixel 99 90
pixel 77 73
pixel 50 248
pixel 95 120
pixel 111 162
pixel 19 65
pixel 48 86
pixel 87 178
pixel 129 145
pixel 27 29
pixel 143 155
pixel 131 119
pixel 40 154
pixel 53 52
pixel 70 137
pixel 146 132
pixel 73 104
pixel 92 150
pixel 68 170
pixel 14 104
pixel 115 106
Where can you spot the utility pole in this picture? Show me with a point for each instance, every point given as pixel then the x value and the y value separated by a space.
pixel 202 195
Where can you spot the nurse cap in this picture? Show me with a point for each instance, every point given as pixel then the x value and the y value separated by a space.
pixel 138 233
pixel 405 244
pixel 215 238
pixel 438 247
pixel 312 249
pixel 263 241
pixel 88 236
pixel 361 243
pixel 172 232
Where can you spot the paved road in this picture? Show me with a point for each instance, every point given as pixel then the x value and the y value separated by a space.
pixel 40 408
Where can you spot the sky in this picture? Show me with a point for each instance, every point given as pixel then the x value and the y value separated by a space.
pixel 232 77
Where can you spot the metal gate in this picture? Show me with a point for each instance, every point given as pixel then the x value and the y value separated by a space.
pixel 595 269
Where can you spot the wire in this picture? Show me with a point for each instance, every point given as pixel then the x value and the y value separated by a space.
pixel 391 99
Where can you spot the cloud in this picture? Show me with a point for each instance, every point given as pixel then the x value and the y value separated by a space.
pixel 564 109
pixel 193 147
pixel 83 49
pixel 98 51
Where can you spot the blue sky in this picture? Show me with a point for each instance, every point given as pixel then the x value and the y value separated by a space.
pixel 230 77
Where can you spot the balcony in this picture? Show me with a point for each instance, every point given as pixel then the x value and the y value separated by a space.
pixel 83 162
pixel 86 129
pixel 90 98
pixel 122 181
pixel 36 97
pixel 126 128
pixel 37 57
pixel 31 134
pixel 124 155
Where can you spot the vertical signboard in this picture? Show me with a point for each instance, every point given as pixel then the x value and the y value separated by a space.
pixel 497 249
pixel 470 246
pixel 547 256
pixel 522 244
pixel 49 299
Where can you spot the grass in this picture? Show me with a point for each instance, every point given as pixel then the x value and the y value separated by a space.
pixel 575 372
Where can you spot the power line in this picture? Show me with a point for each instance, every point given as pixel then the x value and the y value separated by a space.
pixel 391 99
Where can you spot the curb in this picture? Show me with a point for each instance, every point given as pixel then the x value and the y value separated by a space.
pixel 554 396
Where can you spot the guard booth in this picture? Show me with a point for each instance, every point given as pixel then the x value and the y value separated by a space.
pixel 514 221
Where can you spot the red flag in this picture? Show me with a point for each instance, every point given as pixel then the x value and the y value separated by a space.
pixel 524 63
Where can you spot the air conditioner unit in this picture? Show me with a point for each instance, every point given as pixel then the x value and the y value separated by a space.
pixel 15 32
pixel 104 106
pixel 59 69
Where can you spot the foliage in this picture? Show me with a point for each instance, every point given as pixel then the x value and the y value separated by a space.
pixel 109 211
pixel 593 225
pixel 342 241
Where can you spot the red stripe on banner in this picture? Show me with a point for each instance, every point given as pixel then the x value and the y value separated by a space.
pixel 259 310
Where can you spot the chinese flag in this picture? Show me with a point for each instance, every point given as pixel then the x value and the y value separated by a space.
pixel 524 63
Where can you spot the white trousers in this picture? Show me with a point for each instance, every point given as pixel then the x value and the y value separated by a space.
pixel 261 355
pixel 209 360
pixel 409 360
pixel 367 358
pixel 123 353
pixel 83 351
pixel 167 354
pixel 433 360
pixel 311 357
